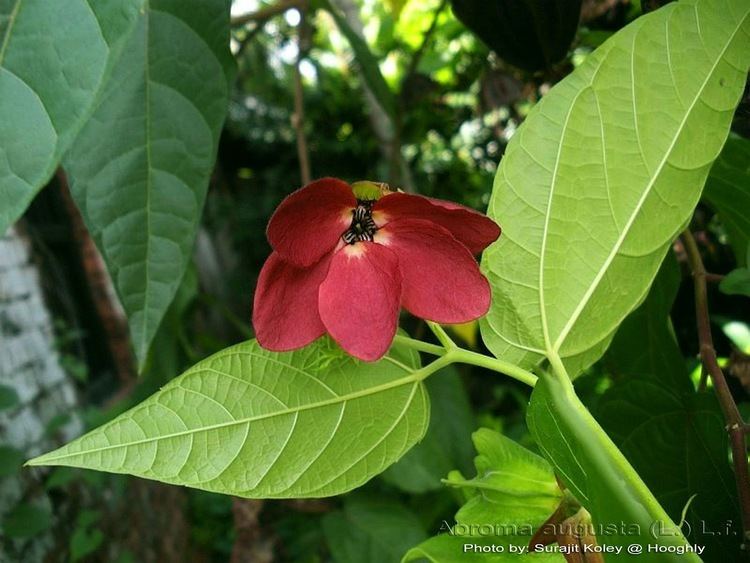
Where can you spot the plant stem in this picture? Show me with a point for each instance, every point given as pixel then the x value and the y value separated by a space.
pixel 419 53
pixel 441 335
pixel 455 354
pixel 464 356
pixel 264 14
pixel 420 346
pixel 735 424
pixel 298 117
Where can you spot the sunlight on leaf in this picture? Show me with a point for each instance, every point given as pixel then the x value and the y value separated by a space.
pixel 604 174
pixel 260 424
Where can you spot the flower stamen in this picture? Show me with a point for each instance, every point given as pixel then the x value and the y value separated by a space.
pixel 363 227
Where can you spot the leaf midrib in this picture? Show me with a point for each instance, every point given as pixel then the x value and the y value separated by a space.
pixel 9 30
pixel 414 378
pixel 626 229
pixel 147 103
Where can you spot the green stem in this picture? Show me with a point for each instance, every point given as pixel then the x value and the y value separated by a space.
pixel 432 367
pixel 456 354
pixel 625 473
pixel 441 335
pixel 480 360
pixel 420 346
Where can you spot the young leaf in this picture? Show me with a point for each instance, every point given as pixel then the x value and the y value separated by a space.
pixel 513 486
pixel 514 492
pixel 54 60
pixel 673 436
pixel 140 168
pixel 259 424
pixel 603 175
pixel 371 529
pixel 447 444
pixel 728 192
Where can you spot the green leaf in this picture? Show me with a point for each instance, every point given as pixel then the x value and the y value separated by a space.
pixel 8 397
pixel 513 486
pixel 11 460
pixel 447 444
pixel 597 473
pixel 49 82
pixel 737 282
pixel 27 521
pixel 514 492
pixel 602 176
pixel 140 168
pixel 448 548
pixel 728 192
pixel 366 60
pixel 371 529
pixel 395 7
pixel 673 436
pixel 259 424
pixel 85 540
pixel 531 35
pixel 737 332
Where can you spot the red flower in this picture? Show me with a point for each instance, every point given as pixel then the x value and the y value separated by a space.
pixel 346 258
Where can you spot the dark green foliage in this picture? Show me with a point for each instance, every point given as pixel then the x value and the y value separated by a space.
pixel 529 34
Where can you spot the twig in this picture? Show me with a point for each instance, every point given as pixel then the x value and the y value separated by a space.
pixel 735 424
pixel 298 118
pixel 385 127
pixel 264 14
pixel 714 278
pixel 419 53
pixel 102 293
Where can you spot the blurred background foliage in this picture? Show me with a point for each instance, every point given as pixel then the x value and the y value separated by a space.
pixel 399 91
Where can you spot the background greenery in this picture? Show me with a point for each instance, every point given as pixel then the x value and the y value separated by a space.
pixel 422 103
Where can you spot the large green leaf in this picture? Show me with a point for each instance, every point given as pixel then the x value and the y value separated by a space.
pixel 372 530
pixel 602 176
pixel 531 35
pixel 140 167
pixel 54 60
pixel 654 407
pixel 259 424
pixel 599 476
pixel 728 192
pixel 447 444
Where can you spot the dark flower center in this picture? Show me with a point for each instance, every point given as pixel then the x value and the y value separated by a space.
pixel 362 227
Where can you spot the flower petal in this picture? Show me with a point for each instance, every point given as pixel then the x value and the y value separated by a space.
pixel 471 228
pixel 308 223
pixel 285 309
pixel 360 299
pixel 441 278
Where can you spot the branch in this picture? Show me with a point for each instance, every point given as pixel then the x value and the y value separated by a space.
pixel 735 424
pixel 265 14
pixel 419 53
pixel 386 129
pixel 298 118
